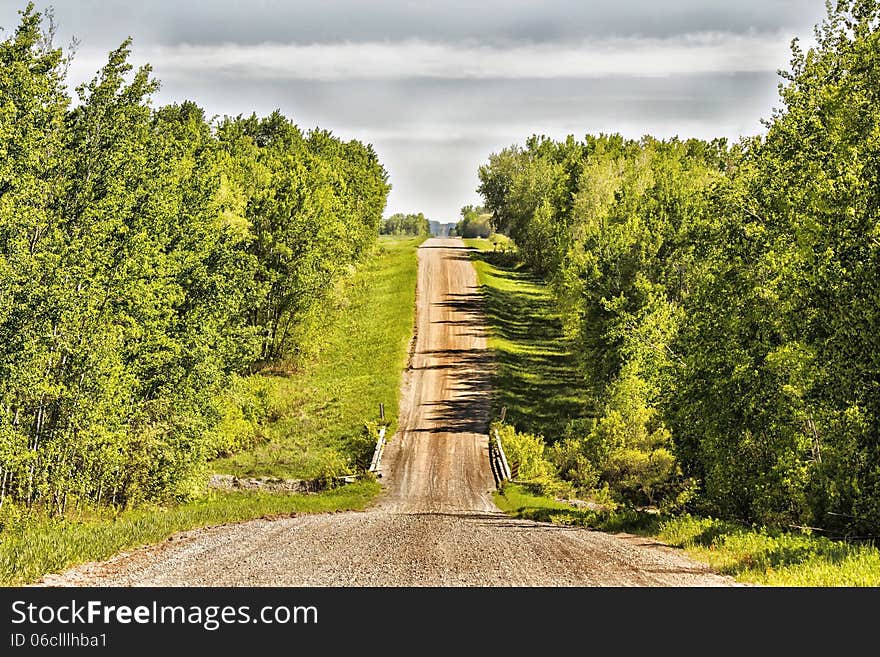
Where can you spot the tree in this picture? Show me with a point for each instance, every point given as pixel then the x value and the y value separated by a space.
pixel 780 333
pixel 723 301
pixel 33 106
pixel 147 259
pixel 475 222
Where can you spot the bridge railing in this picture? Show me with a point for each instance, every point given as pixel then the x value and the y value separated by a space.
pixel 498 459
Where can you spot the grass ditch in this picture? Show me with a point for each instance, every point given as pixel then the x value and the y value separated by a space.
pixel 535 375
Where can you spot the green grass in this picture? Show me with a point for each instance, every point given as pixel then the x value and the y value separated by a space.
pixel 34 545
pixel 760 556
pixel 353 363
pixel 535 375
pixel 773 557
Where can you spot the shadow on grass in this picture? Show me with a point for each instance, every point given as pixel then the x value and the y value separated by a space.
pixel 528 501
pixel 535 375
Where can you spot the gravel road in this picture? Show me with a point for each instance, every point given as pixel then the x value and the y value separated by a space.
pixel 435 524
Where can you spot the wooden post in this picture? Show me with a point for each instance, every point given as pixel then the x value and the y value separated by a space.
pixel 382 411
pixel 503 413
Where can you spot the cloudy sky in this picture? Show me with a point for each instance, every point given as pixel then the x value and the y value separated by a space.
pixel 437 86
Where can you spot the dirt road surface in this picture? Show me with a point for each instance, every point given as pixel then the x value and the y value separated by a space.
pixel 435 524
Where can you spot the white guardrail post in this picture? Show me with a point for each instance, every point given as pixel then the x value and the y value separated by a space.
pixel 377 454
pixel 505 468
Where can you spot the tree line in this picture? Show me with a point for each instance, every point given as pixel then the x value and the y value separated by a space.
pixel 405 224
pixel 723 300
pixel 148 259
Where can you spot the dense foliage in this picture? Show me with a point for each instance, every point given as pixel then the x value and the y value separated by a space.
pixel 724 301
pixel 147 258
pixel 474 222
pixel 406 224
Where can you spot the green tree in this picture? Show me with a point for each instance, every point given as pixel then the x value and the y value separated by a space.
pixel 780 337
pixel 33 106
pixel 475 222
pixel 147 259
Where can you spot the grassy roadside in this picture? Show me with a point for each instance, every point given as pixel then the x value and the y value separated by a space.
pixel 318 411
pixel 535 377
pixel 357 353
pixel 38 545
pixel 759 556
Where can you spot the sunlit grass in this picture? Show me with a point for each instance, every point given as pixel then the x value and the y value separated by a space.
pixel 773 557
pixel 352 364
pixel 535 375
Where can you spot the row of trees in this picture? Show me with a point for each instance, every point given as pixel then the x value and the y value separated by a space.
pixel 147 257
pixel 405 224
pixel 724 301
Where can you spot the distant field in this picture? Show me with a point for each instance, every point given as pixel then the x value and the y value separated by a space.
pixel 353 363
pixel 535 377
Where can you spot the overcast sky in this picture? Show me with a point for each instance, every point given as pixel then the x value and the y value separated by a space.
pixel 437 86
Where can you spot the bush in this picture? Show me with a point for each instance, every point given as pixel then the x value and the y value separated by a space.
pixel 362 446
pixel 573 465
pixel 525 453
pixel 244 410
pixel 331 466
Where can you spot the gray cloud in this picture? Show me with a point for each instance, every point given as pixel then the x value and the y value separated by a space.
pixel 712 52
pixel 450 82
pixel 487 21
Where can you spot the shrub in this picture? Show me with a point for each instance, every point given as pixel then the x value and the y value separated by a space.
pixel 362 445
pixel 244 410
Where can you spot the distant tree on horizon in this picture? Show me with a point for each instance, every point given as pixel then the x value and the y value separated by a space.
pixel 405 224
